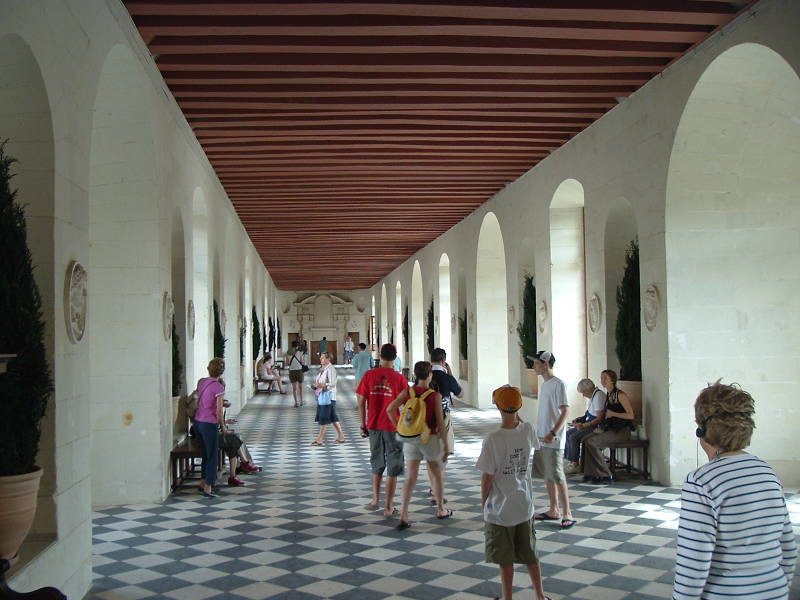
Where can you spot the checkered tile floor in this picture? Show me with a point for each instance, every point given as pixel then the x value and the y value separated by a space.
pixel 300 530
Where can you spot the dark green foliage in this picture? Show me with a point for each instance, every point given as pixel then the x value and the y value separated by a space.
pixel 391 336
pixel 405 329
pixel 219 340
pixel 271 334
pixel 526 329
pixel 463 343
pixel 278 336
pixel 429 329
pixel 629 327
pixel 242 333
pixel 27 385
pixel 256 334
pixel 177 366
pixel 264 338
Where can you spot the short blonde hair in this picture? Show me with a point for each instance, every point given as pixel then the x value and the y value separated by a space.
pixel 725 412
pixel 216 367
pixel 586 385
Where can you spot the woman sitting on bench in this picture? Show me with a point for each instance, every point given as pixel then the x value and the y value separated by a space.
pixel 269 373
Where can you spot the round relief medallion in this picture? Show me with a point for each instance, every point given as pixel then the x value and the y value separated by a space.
pixel 167 311
pixel 595 313
pixel 190 320
pixel 75 301
pixel 650 306
pixel 541 316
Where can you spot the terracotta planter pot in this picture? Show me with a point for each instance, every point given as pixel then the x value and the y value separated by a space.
pixel 533 382
pixel 17 508
pixel 464 372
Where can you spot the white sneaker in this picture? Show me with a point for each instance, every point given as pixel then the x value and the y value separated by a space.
pixel 572 469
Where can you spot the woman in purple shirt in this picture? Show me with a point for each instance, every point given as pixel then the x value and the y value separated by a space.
pixel 211 394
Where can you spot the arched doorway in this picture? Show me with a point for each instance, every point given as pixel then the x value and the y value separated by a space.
pixel 568 294
pixel 202 343
pixel 398 321
pixel 491 356
pixel 445 328
pixel 417 316
pixel 732 248
pixel 126 292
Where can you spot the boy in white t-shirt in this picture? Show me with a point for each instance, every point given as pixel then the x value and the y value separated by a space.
pixel 507 493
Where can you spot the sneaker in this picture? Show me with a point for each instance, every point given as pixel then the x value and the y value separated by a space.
pixel 572 469
pixel 234 482
pixel 249 467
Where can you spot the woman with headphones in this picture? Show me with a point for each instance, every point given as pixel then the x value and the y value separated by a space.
pixel 735 538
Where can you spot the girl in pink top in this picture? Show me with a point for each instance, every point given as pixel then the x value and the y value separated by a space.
pixel 211 394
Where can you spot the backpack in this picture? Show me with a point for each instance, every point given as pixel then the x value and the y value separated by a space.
pixel 413 422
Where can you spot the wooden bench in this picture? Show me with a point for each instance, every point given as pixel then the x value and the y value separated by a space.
pixel 182 462
pixel 628 464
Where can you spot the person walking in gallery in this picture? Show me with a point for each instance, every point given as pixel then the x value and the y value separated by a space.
pixel 507 493
pixel 348 350
pixel 735 537
pixel 325 385
pixel 616 426
pixel 296 362
pixel 548 463
pixel 322 346
pixel 583 426
pixel 208 419
pixel 448 386
pixel 362 362
pixel 377 389
pixel 430 446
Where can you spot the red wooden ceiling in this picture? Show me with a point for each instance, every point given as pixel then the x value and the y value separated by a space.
pixel 348 135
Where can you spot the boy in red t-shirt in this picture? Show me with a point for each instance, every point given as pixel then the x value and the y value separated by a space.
pixel 377 389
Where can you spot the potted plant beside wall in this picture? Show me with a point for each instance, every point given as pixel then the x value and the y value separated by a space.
pixel 177 372
pixel 463 349
pixel 526 330
pixel 628 333
pixel 26 386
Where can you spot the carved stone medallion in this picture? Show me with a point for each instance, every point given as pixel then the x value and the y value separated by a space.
pixel 651 304
pixel 595 313
pixel 541 316
pixel 190 320
pixel 167 311
pixel 75 301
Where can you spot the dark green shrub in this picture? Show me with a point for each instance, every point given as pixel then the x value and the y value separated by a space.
pixel 429 329
pixel 256 334
pixel 177 366
pixel 526 329
pixel 629 329
pixel 463 342
pixel 219 339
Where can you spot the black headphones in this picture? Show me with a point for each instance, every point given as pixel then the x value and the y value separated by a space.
pixel 701 431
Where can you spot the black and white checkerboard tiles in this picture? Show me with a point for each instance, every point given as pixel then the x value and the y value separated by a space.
pixel 300 530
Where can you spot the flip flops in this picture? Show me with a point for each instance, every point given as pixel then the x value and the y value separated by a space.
pixel 567 523
pixel 447 515
pixel 316 443
pixel 544 517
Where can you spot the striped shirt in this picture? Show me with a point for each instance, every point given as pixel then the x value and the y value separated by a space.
pixel 735 539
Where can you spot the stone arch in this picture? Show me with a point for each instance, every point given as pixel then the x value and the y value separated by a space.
pixel 445 310
pixel 384 334
pixel 125 290
pixel 732 246
pixel 26 124
pixel 568 291
pixel 620 230
pixel 491 302
pixel 398 320
pixel 202 344
pixel 417 316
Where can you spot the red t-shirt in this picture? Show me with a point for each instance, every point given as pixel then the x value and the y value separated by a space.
pixel 430 406
pixel 380 387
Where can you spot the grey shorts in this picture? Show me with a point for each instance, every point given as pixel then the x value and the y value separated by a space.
pixel 510 545
pixel 548 465
pixel 385 453
pixel 416 450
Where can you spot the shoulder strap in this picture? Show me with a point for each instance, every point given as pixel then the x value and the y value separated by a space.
pixel 426 393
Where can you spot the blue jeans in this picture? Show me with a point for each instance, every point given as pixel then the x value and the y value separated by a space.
pixel 209 442
pixel 572 449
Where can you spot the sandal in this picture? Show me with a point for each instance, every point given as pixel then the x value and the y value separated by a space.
pixel 544 517
pixel 339 441
pixel 316 443
pixel 567 523
pixel 403 525
pixel 447 515
pixel 393 515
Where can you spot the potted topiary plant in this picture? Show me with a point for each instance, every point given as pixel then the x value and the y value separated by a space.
pixel 405 336
pixel 628 332
pixel 26 384
pixel 429 329
pixel 526 330
pixel 463 348
pixel 219 339
pixel 177 371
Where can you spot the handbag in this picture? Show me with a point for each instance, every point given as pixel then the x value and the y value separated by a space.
pixel 324 398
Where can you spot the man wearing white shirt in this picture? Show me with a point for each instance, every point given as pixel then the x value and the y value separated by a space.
pixel 550 430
